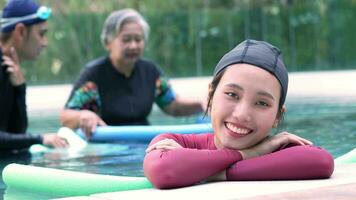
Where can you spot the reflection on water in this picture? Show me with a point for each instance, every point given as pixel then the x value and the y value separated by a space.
pixel 330 124
pixel 5 159
pixel 13 194
pixel 112 159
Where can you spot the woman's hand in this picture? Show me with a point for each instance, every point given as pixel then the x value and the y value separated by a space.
pixel 166 144
pixel 11 61
pixel 221 176
pixel 88 121
pixel 53 140
pixel 273 143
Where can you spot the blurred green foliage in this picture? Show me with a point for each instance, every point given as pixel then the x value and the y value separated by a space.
pixel 188 38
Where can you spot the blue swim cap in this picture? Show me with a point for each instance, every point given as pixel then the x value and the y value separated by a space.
pixel 27 12
pixel 260 54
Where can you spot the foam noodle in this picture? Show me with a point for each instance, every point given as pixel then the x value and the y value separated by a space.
pixel 349 157
pixel 143 133
pixel 67 183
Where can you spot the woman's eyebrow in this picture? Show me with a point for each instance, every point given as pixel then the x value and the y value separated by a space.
pixel 266 94
pixel 261 93
pixel 234 85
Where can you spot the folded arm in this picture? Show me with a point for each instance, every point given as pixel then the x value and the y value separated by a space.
pixel 184 167
pixel 294 163
pixel 178 162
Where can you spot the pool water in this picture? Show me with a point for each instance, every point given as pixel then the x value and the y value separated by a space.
pixel 329 123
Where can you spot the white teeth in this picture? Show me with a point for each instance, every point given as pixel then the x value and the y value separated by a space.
pixel 237 130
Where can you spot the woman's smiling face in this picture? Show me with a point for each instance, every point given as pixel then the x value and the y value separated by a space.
pixel 244 107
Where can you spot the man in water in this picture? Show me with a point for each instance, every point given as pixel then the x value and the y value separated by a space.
pixel 22 37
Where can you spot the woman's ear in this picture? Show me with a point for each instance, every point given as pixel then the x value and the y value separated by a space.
pixel 283 110
pixel 210 87
pixel 209 99
pixel 279 116
pixel 108 47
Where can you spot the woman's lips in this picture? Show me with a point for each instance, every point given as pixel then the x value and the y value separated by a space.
pixel 237 131
pixel 132 55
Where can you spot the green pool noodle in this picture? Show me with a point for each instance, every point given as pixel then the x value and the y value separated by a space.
pixel 349 157
pixel 67 183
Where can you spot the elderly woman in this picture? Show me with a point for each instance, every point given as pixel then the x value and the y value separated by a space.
pixel 121 87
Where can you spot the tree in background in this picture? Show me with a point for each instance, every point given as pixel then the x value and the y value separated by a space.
pixel 188 37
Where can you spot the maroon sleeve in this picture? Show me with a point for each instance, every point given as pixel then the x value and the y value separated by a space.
pixel 185 166
pixel 294 163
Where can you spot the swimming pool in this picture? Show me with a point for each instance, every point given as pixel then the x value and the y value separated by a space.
pixel 328 122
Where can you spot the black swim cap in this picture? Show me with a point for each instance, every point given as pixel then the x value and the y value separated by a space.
pixel 260 54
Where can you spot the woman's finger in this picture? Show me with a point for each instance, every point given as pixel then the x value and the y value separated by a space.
pixel 86 128
pixel 164 143
pixel 165 147
pixel 153 146
pixel 161 147
pixel 305 141
pixel 61 143
pixel 101 122
pixel 149 149
pixel 298 139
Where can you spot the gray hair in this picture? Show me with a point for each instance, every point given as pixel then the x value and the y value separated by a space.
pixel 114 22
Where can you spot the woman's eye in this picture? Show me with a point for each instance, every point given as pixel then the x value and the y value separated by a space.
pixel 138 38
pixel 231 94
pixel 129 38
pixel 262 103
pixel 126 40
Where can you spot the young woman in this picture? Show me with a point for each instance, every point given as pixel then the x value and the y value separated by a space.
pixel 246 100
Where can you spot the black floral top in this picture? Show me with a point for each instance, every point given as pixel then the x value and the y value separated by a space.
pixel 117 99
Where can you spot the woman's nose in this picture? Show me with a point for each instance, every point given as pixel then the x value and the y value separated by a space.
pixel 242 111
pixel 133 44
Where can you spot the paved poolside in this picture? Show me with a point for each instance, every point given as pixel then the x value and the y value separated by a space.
pixel 341 186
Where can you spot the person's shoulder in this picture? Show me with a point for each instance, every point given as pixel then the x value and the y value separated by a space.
pixel 147 63
pixel 94 67
pixel 148 66
pixel 97 62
